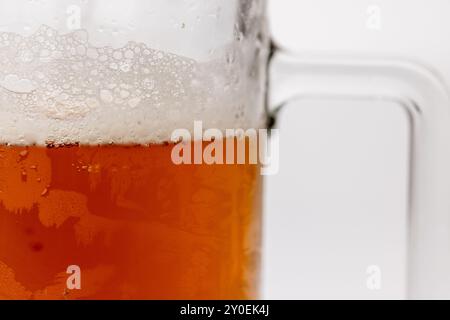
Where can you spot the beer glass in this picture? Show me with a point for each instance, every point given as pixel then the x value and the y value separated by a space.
pixel 93 204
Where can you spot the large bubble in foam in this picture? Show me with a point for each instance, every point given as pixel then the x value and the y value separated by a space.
pixel 59 88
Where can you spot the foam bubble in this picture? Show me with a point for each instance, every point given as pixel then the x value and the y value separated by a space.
pixel 60 88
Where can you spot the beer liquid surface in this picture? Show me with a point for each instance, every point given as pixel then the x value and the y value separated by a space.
pixel 136 225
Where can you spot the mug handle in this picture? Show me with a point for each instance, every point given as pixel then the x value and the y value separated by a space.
pixel 426 100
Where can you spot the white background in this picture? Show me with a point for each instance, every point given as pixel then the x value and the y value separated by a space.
pixel 338 204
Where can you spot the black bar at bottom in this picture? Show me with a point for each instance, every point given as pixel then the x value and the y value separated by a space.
pixel 279 309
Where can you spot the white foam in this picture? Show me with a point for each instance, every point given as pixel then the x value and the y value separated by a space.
pixel 59 88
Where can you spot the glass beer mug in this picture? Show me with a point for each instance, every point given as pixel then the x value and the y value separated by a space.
pixel 92 203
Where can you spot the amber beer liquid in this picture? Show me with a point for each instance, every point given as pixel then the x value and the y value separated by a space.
pixel 136 225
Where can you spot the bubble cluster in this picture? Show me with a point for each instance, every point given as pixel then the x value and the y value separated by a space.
pixel 60 88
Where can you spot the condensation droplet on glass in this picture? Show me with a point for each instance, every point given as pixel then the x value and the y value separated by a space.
pixel 113 66
pixel 125 66
pixel 133 103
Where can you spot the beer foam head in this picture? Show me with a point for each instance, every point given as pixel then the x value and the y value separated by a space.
pixel 59 88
